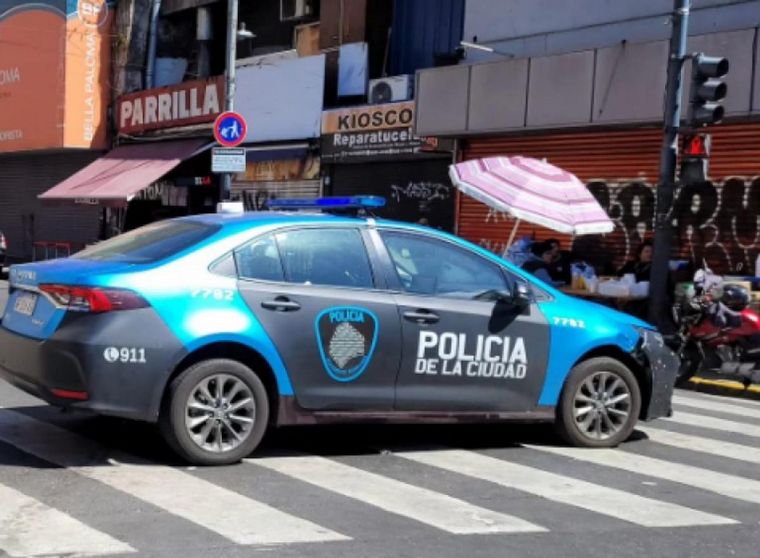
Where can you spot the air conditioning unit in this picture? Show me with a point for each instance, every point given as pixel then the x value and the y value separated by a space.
pixel 391 89
pixel 295 9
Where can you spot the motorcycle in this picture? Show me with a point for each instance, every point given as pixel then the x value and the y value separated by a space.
pixel 717 331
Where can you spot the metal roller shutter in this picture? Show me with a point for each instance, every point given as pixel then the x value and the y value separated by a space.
pixel 255 194
pixel 717 220
pixel 413 190
pixel 24 219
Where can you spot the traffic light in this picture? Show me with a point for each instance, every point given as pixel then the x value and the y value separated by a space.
pixel 695 158
pixel 707 90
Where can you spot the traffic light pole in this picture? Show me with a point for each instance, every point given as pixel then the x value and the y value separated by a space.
pixel 659 308
pixel 229 91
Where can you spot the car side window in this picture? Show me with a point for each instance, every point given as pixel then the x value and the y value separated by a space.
pixel 331 257
pixel 428 266
pixel 259 259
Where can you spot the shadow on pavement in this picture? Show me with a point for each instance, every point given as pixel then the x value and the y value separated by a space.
pixel 105 438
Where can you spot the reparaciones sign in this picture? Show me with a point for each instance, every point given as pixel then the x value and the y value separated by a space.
pixel 370 133
pixel 192 102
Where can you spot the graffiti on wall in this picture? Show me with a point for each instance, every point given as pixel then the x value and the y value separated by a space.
pixel 715 221
pixel 718 222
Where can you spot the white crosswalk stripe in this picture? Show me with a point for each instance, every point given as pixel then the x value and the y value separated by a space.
pixel 706 397
pixel 231 515
pixel 426 506
pixel 718 407
pixel 724 484
pixel 566 490
pixel 720 448
pixel 30 528
pixel 712 423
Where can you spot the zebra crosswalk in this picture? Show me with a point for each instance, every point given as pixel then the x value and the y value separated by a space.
pixel 287 496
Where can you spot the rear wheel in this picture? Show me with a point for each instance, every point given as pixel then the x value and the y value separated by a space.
pixel 215 413
pixel 599 405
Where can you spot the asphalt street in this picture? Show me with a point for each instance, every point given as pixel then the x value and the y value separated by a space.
pixel 73 484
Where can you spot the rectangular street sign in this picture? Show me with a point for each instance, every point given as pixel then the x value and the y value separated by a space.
pixel 227 159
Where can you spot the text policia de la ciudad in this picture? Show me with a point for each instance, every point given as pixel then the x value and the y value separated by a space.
pixel 484 356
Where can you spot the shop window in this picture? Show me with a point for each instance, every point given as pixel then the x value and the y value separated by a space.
pixel 427 266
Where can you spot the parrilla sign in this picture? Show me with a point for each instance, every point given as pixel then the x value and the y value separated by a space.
pixel 370 132
pixel 192 102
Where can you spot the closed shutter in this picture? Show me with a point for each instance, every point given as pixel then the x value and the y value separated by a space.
pixel 25 220
pixel 413 190
pixel 716 220
pixel 255 194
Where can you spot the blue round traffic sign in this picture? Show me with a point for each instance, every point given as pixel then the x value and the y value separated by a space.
pixel 230 129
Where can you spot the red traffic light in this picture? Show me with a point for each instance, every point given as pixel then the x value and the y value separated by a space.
pixel 697 145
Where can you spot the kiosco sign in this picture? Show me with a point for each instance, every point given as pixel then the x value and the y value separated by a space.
pixel 54 70
pixel 370 132
pixel 192 102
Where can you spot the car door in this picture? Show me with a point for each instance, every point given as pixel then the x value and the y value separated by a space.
pixel 313 290
pixel 466 346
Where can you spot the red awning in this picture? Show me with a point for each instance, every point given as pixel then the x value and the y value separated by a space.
pixel 117 176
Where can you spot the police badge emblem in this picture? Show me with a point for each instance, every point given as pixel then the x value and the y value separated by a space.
pixel 346 337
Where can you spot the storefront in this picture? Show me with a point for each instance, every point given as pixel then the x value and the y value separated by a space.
pixel 717 220
pixel 372 150
pixel 54 65
pixel 161 167
pixel 278 171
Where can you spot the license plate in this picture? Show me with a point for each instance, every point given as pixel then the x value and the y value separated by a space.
pixel 25 304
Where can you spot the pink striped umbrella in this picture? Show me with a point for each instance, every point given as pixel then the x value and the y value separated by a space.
pixel 533 191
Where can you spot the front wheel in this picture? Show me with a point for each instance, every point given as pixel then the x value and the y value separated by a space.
pixel 215 412
pixel 599 405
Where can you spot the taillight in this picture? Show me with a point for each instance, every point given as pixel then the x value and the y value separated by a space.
pixel 93 299
pixel 3 245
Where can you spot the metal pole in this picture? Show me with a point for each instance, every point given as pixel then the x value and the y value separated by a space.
pixel 229 95
pixel 658 302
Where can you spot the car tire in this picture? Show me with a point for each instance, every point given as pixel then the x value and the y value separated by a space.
pixel 593 414
pixel 220 445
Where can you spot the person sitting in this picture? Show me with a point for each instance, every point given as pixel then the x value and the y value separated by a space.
pixel 539 263
pixel 641 267
pixel 559 268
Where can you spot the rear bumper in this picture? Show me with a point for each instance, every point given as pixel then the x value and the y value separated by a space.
pixel 662 365
pixel 79 358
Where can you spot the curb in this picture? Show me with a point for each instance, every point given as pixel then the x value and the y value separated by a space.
pixel 724 387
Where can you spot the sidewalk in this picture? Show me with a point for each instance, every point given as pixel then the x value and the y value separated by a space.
pixel 719 385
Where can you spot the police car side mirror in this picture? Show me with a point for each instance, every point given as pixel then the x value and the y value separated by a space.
pixel 521 296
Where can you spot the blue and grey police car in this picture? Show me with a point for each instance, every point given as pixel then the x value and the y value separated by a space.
pixel 218 327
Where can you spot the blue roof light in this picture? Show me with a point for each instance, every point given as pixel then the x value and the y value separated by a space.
pixel 335 202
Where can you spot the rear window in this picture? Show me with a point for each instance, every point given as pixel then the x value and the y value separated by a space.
pixel 150 243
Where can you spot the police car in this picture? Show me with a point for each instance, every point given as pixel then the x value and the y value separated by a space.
pixel 218 327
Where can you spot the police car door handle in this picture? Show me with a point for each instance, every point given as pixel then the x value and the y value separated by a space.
pixel 421 317
pixel 281 304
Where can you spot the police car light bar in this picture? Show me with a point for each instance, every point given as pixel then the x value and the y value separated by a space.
pixel 330 202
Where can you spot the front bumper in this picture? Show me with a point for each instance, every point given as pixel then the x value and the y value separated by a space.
pixel 662 366
pixel 79 358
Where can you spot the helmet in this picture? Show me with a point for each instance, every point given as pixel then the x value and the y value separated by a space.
pixel 735 297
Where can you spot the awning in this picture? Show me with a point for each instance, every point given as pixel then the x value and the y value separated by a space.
pixel 118 176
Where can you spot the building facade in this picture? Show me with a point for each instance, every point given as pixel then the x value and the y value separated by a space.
pixel 54 96
pixel 585 91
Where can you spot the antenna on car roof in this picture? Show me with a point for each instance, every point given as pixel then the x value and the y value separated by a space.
pixel 352 205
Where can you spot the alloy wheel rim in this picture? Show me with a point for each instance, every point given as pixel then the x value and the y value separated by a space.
pixel 220 413
pixel 602 405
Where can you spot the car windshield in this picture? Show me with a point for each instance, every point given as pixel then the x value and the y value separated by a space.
pixel 150 243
